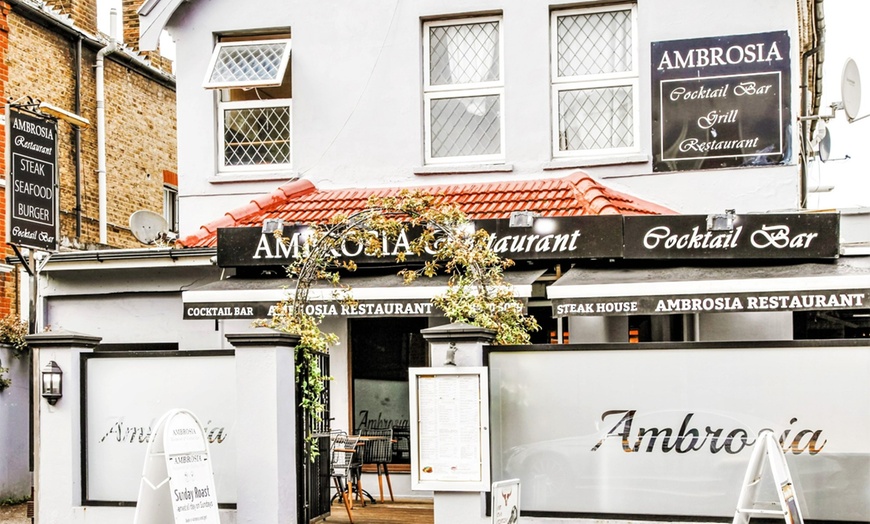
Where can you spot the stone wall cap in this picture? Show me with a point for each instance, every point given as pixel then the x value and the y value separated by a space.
pixel 266 338
pixel 458 331
pixel 62 338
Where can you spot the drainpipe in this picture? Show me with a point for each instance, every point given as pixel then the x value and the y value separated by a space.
pixel 78 139
pixel 101 125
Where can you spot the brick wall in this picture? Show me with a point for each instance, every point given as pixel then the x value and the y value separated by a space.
pixel 38 62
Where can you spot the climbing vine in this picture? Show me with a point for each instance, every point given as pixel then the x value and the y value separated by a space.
pixel 446 243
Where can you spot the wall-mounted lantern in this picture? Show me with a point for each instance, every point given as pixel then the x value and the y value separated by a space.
pixel 52 382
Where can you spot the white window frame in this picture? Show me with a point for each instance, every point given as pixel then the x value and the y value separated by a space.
pixel 441 92
pixel 628 79
pixel 285 61
pixel 250 104
pixel 170 206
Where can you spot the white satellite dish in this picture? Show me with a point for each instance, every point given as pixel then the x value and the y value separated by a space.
pixel 147 226
pixel 825 147
pixel 850 89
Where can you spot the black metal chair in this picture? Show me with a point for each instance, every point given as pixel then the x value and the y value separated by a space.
pixel 378 450
pixel 402 443
pixel 342 453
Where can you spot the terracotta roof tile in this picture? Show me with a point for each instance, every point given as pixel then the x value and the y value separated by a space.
pixel 300 201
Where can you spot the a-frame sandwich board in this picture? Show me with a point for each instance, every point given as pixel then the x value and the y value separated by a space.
pixel 748 506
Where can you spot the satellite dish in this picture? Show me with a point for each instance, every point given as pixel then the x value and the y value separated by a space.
pixel 850 89
pixel 825 147
pixel 147 226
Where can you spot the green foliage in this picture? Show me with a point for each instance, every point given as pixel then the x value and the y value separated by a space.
pixel 13 501
pixel 12 332
pixel 477 293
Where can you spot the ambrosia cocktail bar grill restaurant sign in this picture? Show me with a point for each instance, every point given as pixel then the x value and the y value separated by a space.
pixel 721 102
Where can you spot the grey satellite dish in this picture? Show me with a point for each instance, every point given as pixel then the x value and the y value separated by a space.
pixel 825 147
pixel 850 89
pixel 147 226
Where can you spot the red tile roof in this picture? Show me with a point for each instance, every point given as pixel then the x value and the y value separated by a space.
pixel 301 202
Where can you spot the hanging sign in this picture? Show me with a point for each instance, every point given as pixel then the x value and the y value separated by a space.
pixel 31 180
pixel 721 102
pixel 177 480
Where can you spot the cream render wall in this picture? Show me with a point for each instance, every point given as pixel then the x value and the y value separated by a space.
pixel 358 104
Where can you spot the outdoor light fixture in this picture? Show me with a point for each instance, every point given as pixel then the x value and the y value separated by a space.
pixel 721 222
pixel 52 382
pixel 64 115
pixel 270 225
pixel 523 218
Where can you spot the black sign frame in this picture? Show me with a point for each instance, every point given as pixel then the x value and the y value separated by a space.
pixel 33 219
pixel 721 102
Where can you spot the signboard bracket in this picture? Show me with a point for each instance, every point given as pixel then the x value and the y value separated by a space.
pixel 747 505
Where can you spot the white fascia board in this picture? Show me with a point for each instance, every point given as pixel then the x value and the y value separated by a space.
pixel 133 259
pixel 153 17
pixel 755 285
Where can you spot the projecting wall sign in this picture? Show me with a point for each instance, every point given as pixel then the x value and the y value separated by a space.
pixel 31 180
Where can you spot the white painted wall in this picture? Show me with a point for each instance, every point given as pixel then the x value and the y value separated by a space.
pixel 15 427
pixel 358 108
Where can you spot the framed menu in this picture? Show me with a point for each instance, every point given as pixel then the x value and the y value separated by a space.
pixel 449 428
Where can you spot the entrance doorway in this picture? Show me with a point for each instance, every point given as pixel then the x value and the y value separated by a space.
pixel 381 351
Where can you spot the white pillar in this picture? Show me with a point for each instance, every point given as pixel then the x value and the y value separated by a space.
pixel 57 430
pixel 265 428
pixel 460 345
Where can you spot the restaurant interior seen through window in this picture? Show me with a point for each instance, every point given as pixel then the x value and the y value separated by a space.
pixel 382 350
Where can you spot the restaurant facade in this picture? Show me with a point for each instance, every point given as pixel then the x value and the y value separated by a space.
pixel 653 202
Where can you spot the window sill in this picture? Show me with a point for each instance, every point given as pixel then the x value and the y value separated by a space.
pixel 563 163
pixel 252 176
pixel 455 169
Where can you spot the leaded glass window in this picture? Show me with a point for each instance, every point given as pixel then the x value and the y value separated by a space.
pixel 594 78
pixel 463 91
pixel 253 80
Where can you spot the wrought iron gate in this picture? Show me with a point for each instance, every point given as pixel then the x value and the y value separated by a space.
pixel 312 478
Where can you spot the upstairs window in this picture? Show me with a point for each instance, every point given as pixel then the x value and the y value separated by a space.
pixel 463 91
pixel 170 200
pixel 252 77
pixel 594 81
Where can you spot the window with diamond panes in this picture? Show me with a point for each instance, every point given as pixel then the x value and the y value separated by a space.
pixel 463 91
pixel 594 81
pixel 254 102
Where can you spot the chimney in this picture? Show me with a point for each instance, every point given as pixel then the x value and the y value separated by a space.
pixel 82 12
pixel 130 22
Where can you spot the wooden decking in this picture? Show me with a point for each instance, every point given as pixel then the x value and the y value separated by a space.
pixel 398 512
